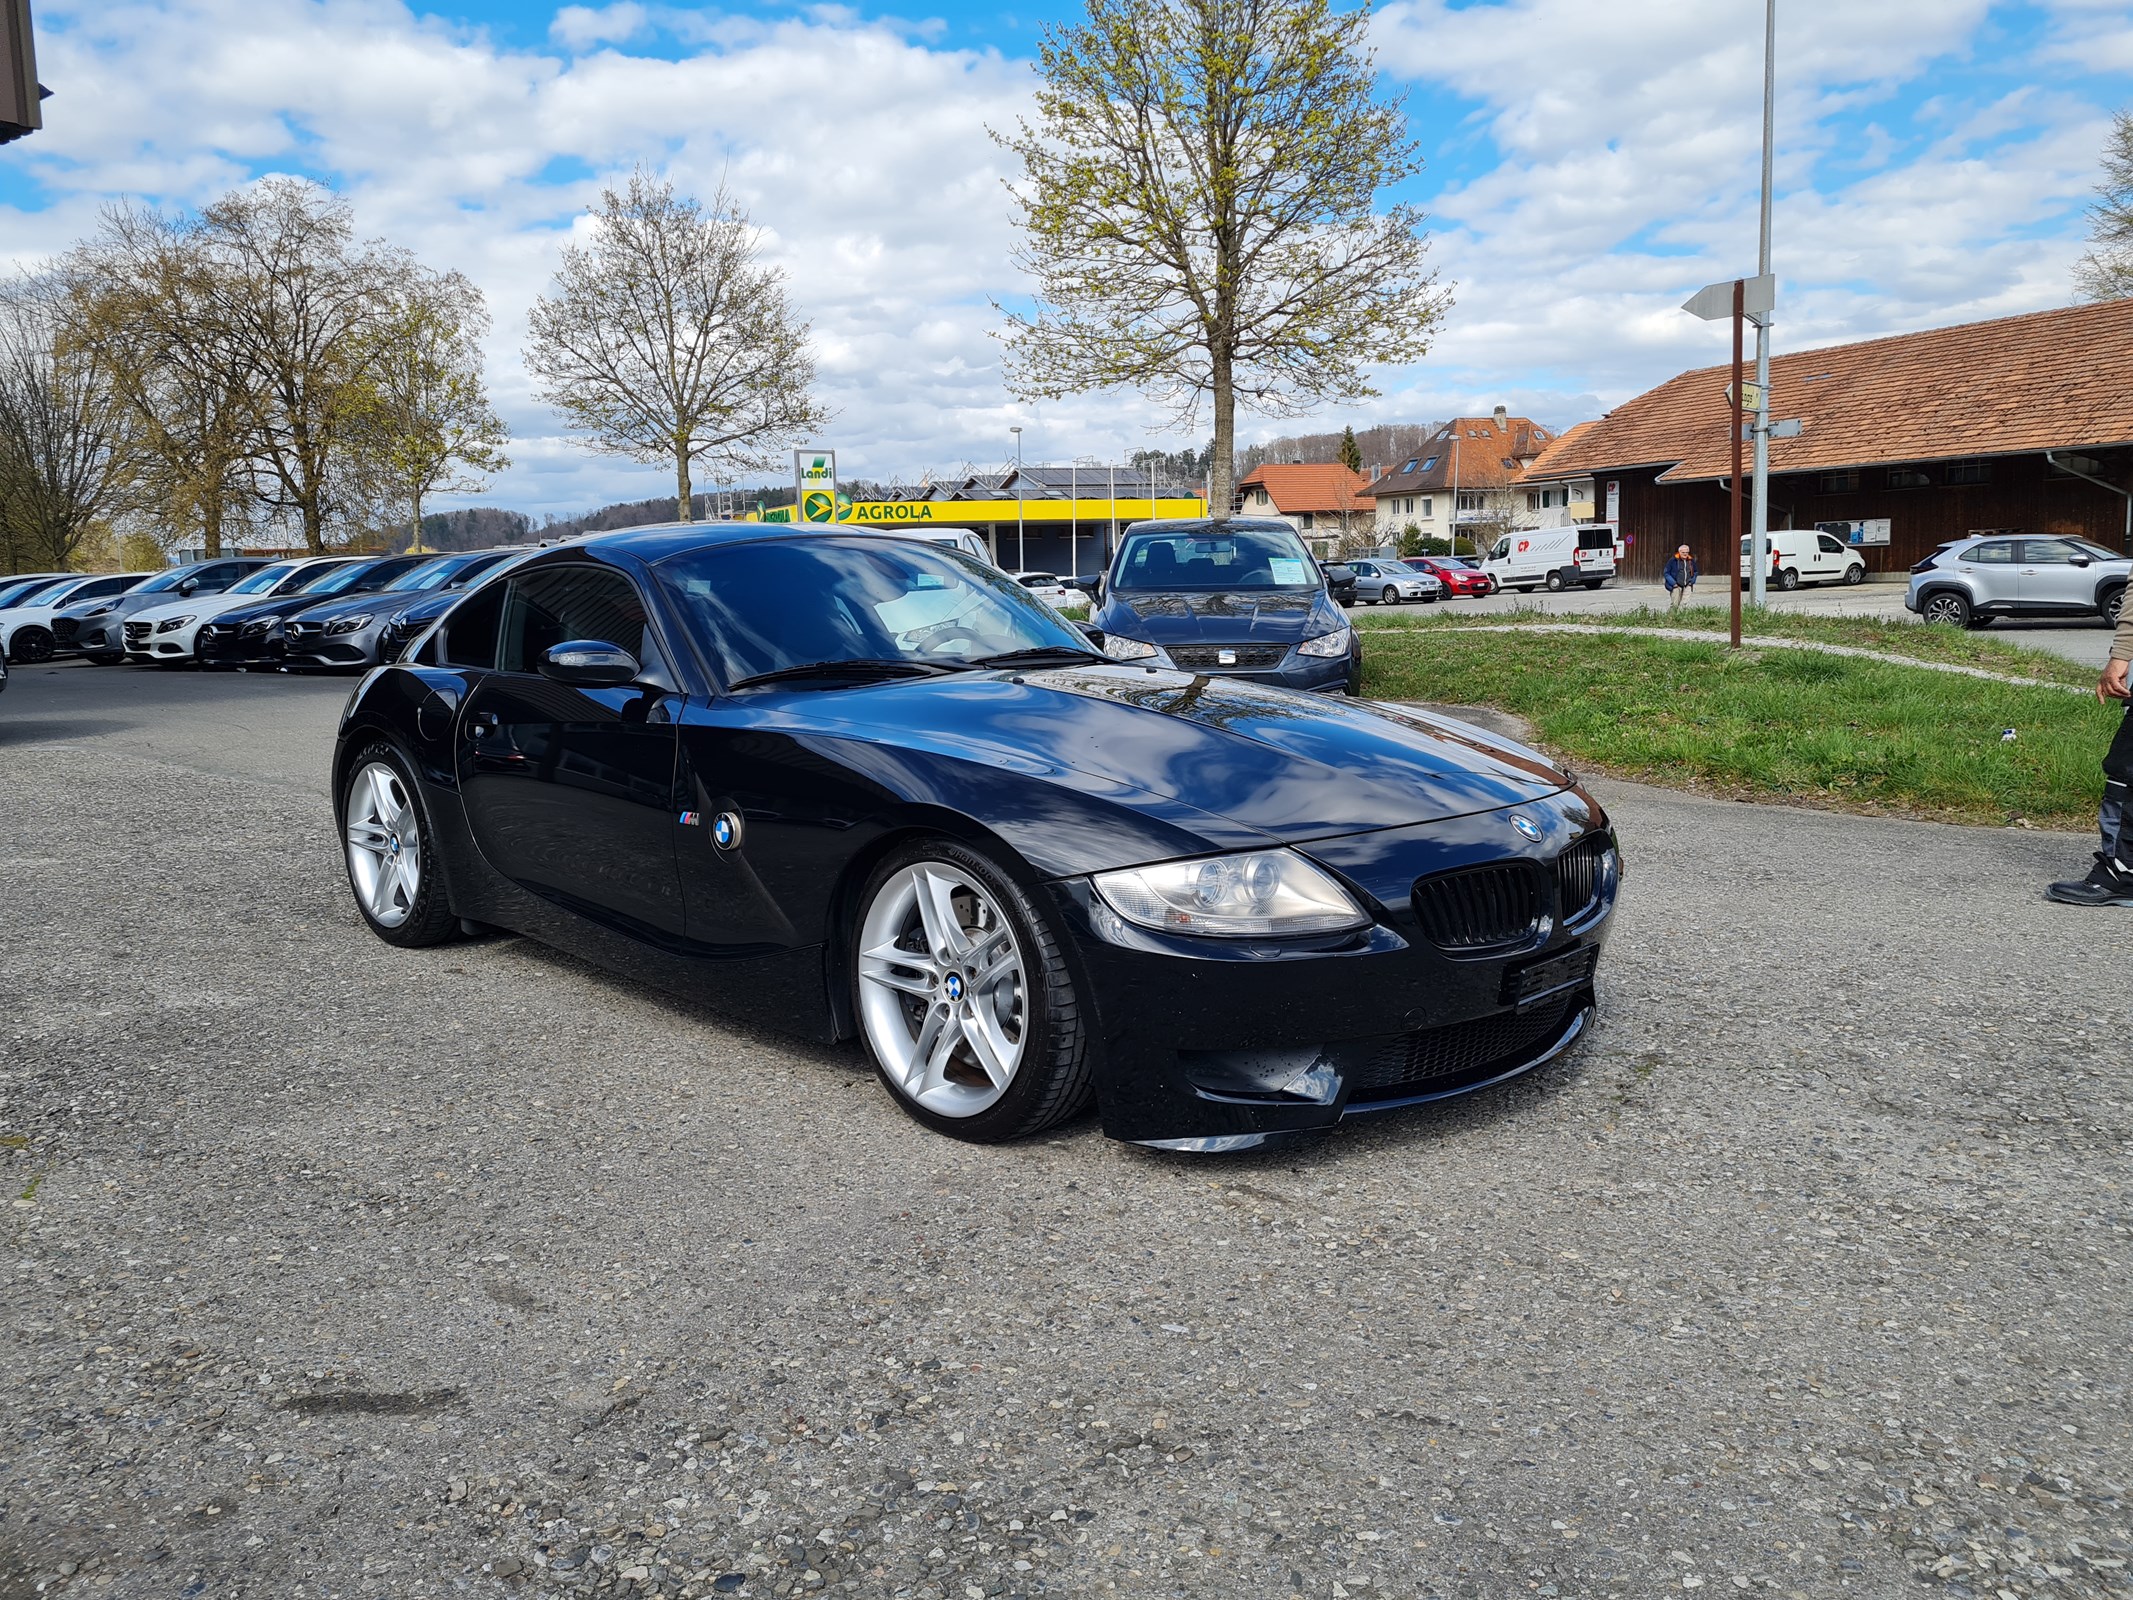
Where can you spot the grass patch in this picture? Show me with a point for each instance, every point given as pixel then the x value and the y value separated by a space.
pixel 1914 641
pixel 1770 724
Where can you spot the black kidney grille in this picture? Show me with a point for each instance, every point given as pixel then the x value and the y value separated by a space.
pixel 1577 877
pixel 1437 1058
pixel 1203 657
pixel 1482 908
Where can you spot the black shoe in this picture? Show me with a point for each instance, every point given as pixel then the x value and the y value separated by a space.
pixel 2107 884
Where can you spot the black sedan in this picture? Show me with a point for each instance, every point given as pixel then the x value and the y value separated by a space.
pixel 350 630
pixel 918 810
pixel 254 635
pixel 1236 598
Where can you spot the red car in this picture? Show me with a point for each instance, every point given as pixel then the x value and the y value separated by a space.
pixel 1456 576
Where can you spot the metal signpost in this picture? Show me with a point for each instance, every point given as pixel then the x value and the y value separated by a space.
pixel 1740 299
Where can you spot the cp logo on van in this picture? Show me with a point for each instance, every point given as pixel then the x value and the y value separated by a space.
pixel 1524 545
pixel 1526 826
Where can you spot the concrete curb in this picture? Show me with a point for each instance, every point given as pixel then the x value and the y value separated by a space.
pixel 1761 641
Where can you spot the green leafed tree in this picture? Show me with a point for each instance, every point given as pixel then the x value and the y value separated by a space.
pixel 2106 272
pixel 665 339
pixel 1351 452
pixel 425 424
pixel 1198 202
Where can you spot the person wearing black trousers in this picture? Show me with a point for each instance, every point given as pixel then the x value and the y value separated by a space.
pixel 2110 880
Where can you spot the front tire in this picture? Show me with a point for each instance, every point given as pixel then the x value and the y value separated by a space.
pixel 388 849
pixel 2110 606
pixel 1946 607
pixel 1390 596
pixel 30 644
pixel 964 999
pixel 1855 574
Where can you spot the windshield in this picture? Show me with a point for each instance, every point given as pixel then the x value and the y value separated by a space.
pixel 1203 559
pixel 430 575
pixel 263 581
pixel 17 593
pixel 2097 551
pixel 311 580
pixel 164 582
pixel 339 580
pixel 770 606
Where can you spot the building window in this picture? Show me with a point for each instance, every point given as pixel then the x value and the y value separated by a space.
pixel 1411 466
pixel 1428 507
pixel 1307 519
pixel 1837 483
pixel 1908 478
pixel 1966 472
pixel 1427 466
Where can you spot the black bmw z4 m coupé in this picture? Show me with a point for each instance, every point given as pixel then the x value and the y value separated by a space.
pixel 857 785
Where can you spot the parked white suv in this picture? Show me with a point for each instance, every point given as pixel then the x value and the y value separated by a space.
pixel 1802 555
pixel 26 629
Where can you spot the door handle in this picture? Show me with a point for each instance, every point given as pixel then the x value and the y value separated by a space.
pixel 481 724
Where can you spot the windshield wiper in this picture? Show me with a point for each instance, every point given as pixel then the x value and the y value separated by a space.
pixel 863 668
pixel 1037 653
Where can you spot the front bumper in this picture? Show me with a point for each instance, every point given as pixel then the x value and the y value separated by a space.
pixel 226 645
pixel 308 644
pixel 1222 1044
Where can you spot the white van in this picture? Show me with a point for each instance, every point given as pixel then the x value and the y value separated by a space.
pixel 1803 555
pixel 967 540
pixel 1562 558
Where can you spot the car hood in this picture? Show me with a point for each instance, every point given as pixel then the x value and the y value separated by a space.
pixel 1271 763
pixel 384 604
pixel 120 605
pixel 202 606
pixel 275 607
pixel 1236 616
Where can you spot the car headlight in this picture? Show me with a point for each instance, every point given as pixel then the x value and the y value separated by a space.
pixel 1120 648
pixel 172 624
pixel 1327 644
pixel 1261 892
pixel 349 624
pixel 100 611
pixel 259 627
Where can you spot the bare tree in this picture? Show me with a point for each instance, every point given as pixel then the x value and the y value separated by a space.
pixel 1196 205
pixel 667 340
pixel 424 421
pixel 66 447
pixel 140 300
pixel 2106 272
pixel 300 299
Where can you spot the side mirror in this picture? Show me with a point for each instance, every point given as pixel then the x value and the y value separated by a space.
pixel 1092 633
pixel 188 587
pixel 2081 561
pixel 590 664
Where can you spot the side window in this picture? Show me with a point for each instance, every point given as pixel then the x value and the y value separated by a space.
pixel 220 576
pixel 1993 552
pixel 557 604
pixel 100 588
pixel 1830 546
pixel 469 632
pixel 2054 552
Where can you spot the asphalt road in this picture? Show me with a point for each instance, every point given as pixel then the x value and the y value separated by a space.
pixel 2087 642
pixel 338 1270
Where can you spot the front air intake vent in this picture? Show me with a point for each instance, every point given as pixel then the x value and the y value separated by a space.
pixel 1580 873
pixel 1481 909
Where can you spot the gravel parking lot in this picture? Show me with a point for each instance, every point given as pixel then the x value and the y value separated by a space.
pixel 338 1270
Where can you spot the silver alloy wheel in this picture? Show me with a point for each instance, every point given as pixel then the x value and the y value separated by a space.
pixel 1945 607
pixel 384 844
pixel 942 992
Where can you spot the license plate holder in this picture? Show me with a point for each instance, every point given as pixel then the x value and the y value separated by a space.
pixel 1537 980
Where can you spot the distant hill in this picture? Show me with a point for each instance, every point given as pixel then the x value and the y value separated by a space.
pixel 475 528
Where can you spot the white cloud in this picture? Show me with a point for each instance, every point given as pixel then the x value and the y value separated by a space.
pixel 1625 141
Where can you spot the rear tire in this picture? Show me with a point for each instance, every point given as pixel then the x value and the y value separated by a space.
pixel 1788 579
pixel 1947 607
pixel 1595 583
pixel 944 1033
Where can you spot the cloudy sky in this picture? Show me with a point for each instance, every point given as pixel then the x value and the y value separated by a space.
pixel 1589 166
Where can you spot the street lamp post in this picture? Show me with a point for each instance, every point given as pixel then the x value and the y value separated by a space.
pixel 1021 553
pixel 1759 516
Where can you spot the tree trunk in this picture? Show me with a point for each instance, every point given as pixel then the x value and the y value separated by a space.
pixel 314 529
pixel 683 498
pixel 211 523
pixel 1222 467
pixel 416 542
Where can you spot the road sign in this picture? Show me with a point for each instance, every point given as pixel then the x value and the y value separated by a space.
pixel 1751 396
pixel 1788 429
pixel 1714 301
